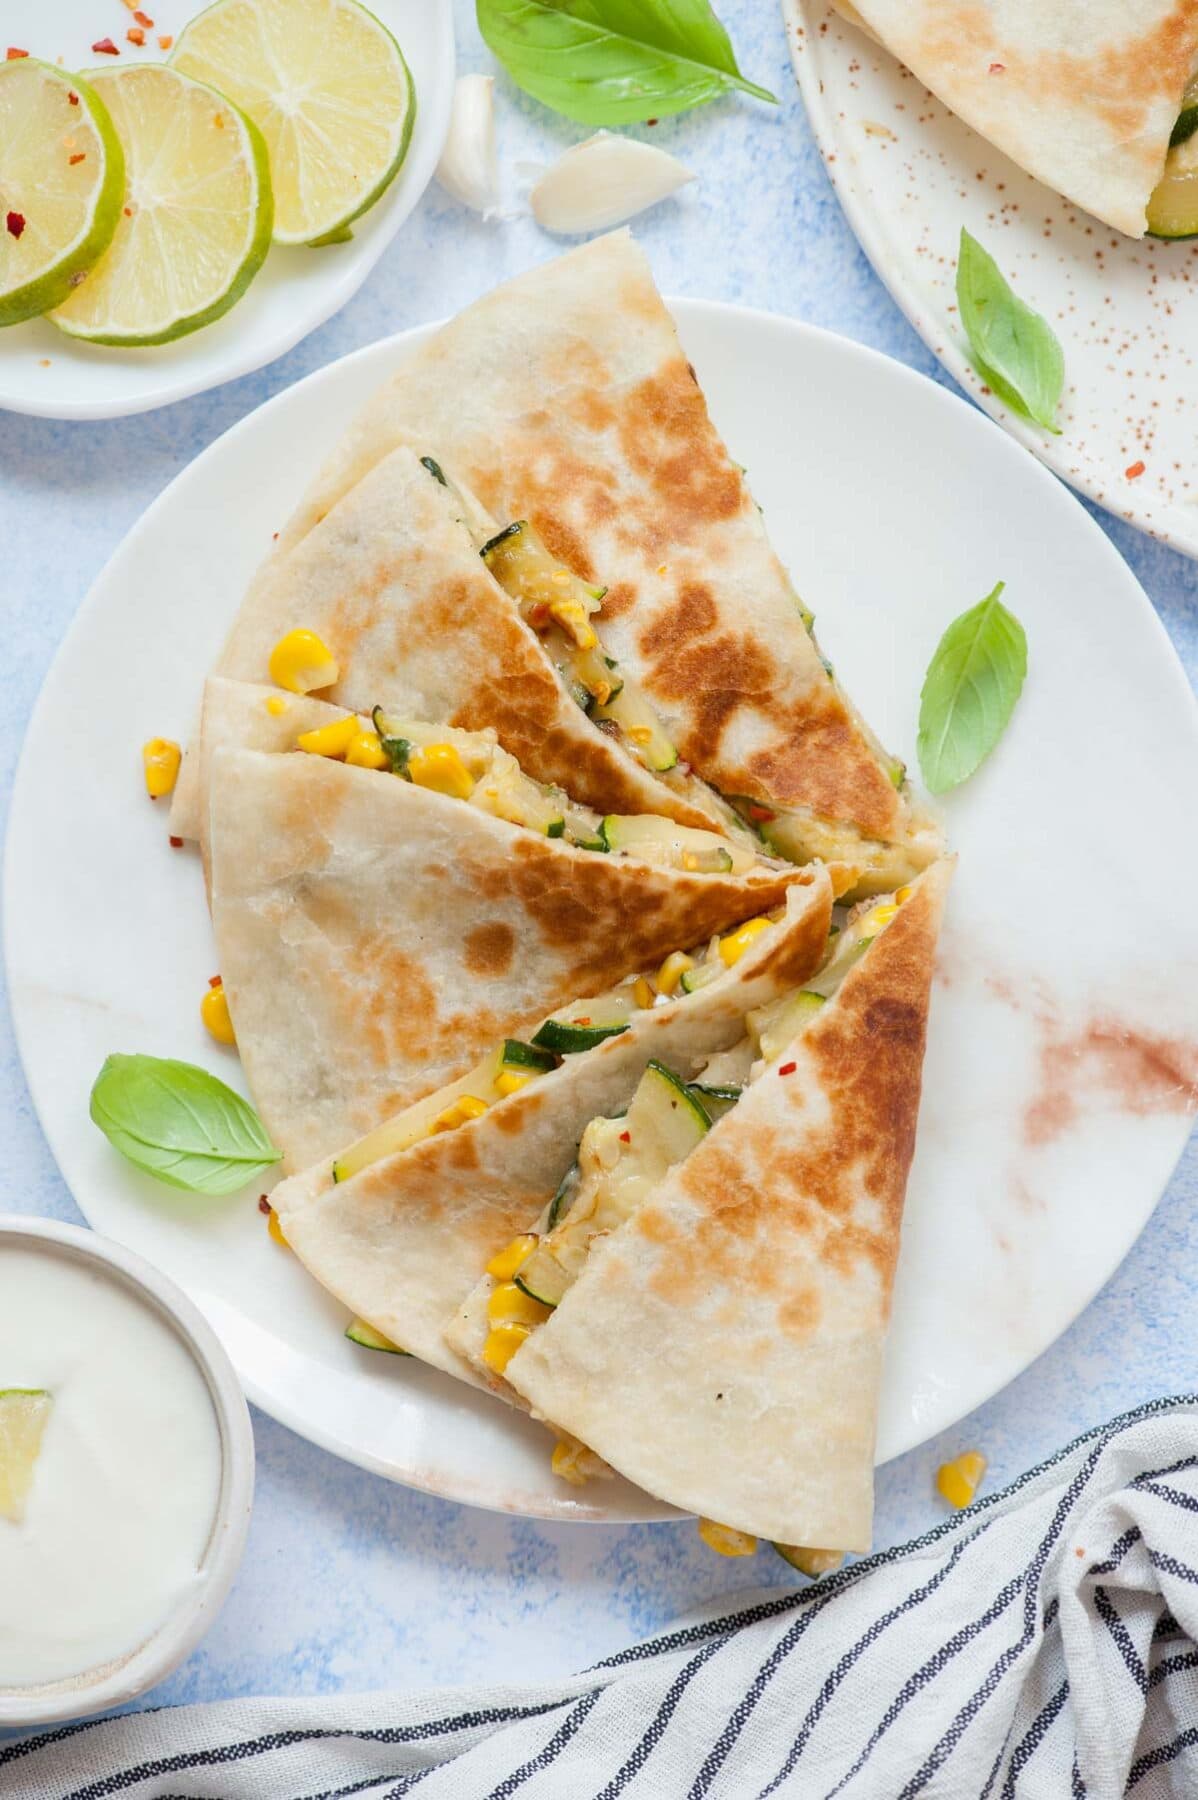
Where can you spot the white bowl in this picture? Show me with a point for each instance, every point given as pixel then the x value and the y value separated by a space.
pixel 154 1659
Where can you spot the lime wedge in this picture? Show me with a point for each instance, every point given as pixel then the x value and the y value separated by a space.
pixel 196 223
pixel 328 87
pixel 23 1416
pixel 62 180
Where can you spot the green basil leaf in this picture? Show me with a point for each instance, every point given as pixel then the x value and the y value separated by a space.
pixel 972 684
pixel 180 1124
pixel 1015 350
pixel 614 62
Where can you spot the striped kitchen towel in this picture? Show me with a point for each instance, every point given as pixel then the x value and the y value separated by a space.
pixel 1042 1644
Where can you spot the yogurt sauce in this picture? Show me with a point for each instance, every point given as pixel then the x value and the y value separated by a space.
pixel 125 1490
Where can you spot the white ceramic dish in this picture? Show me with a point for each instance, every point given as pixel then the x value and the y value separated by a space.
pixel 42 371
pixel 896 506
pixel 909 175
pixel 179 1634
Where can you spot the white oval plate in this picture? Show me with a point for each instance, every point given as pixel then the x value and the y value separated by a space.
pixel 42 371
pixel 1042 1148
pixel 909 175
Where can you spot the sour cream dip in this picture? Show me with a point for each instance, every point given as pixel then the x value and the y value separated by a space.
pixel 128 1479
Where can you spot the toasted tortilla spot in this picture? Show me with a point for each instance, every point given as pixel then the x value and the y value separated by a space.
pixel 490 948
pixel 800 1315
pixel 666 435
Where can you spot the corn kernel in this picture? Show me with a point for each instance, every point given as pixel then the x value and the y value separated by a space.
pixel 365 751
pixel 329 740
pixel 512 1258
pixel 276 1230
pixel 877 919
pixel 573 618
pixel 276 706
pixel 672 970
pixel 160 759
pixel 902 895
pixel 441 768
pixel 572 1461
pixel 302 662
pixel 724 1540
pixel 507 1302
pixel 958 1480
pixel 733 947
pixel 502 1343
pixel 510 1083
pixel 214 1011
pixel 812 1562
pixel 457 1114
pixel 642 992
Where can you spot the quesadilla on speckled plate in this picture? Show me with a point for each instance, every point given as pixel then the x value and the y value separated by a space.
pixel 563 400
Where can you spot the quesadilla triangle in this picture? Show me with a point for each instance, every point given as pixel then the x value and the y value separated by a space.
pixel 381 920
pixel 565 400
pixel 1083 94
pixel 400 1225
pixel 391 582
pixel 714 1297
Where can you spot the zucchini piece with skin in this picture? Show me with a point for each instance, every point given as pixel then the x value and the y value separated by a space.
pixel 519 1058
pixel 397 750
pixel 568 1038
pixel 685 847
pixel 523 566
pixel 1173 208
pixel 359 1332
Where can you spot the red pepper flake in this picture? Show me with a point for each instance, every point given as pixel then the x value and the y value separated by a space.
pixel 584 1021
pixel 105 47
pixel 626 1137
pixel 175 843
pixel 144 19
pixel 264 1204
pixel 998 68
pixel 15 222
pixel 136 35
pixel 79 156
pixel 12 54
pixel 165 42
pixel 128 211
pixel 761 814
pixel 214 981
pixel 73 97
pixel 788 1068
pixel 1134 471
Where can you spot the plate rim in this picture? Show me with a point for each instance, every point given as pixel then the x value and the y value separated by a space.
pixel 248 362
pixel 1084 475
pixel 681 308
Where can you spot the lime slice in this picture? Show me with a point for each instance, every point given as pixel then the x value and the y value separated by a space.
pixel 23 1416
pixel 62 180
pixel 328 87
pixel 196 222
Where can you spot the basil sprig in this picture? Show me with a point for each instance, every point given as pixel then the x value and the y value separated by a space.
pixel 970 690
pixel 180 1124
pixel 1015 349
pixel 614 62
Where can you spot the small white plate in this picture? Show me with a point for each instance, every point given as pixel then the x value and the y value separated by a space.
pixel 1047 1131
pixel 42 371
pixel 909 175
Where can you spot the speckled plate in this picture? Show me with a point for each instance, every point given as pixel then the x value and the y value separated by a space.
pixel 909 175
pixel 1056 1086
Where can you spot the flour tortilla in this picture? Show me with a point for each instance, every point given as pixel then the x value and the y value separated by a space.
pixel 564 397
pixel 1083 94
pixel 392 582
pixel 405 1240
pixel 376 938
pixel 723 1348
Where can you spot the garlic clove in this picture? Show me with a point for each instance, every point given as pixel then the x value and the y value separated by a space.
pixel 468 168
pixel 603 182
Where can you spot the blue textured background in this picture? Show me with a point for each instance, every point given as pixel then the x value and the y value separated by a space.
pixel 349 1582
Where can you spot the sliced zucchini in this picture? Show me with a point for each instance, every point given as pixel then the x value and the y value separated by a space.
pixel 543 1278
pixel 675 846
pixel 596 674
pixel 435 470
pixel 523 567
pixel 667 1112
pixel 715 1101
pixel 641 728
pixel 1173 208
pixel 777 1025
pixel 560 1205
pixel 510 794
pixel 1187 118
pixel 397 750
pixel 522 1059
pixel 568 1038
pixel 359 1332
pixel 700 975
